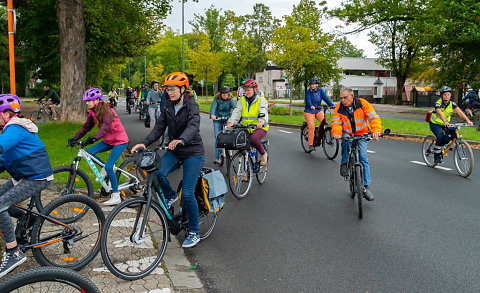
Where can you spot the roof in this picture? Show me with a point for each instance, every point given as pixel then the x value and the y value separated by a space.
pixel 272 67
pixel 278 80
pixel 355 63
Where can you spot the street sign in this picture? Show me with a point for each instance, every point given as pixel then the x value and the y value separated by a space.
pixel 201 83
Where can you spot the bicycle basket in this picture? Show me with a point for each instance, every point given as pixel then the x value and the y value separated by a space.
pixel 149 161
pixel 234 139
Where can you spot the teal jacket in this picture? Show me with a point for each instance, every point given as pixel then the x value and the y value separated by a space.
pixel 222 108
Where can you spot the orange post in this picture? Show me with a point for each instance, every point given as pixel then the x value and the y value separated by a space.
pixel 11 47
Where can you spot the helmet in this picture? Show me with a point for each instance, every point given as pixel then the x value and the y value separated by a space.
pixel 176 78
pixel 224 89
pixel 250 83
pixel 445 89
pixel 155 82
pixel 93 94
pixel 10 102
pixel 315 80
pixel 470 90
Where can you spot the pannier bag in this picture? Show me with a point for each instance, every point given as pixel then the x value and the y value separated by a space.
pixel 234 139
pixel 428 116
pixel 149 161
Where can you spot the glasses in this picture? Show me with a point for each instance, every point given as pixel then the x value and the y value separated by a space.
pixel 170 90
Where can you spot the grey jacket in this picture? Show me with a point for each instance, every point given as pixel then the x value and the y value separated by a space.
pixel 153 98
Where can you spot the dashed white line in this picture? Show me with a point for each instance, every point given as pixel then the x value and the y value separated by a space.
pixel 372 152
pixel 284 131
pixel 438 167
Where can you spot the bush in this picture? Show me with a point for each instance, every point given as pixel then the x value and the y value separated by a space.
pixel 284 111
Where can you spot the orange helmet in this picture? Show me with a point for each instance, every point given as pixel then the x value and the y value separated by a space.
pixel 176 78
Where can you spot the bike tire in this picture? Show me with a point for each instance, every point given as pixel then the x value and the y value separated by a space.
pixel 261 175
pixel 304 138
pixel 359 189
pixel 58 187
pixel 69 252
pixel 124 258
pixel 130 165
pixel 463 158
pixel 237 172
pixel 48 279
pixel 427 150
pixel 39 117
pixel 329 144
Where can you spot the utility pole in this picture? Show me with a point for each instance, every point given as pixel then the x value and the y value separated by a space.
pixel 183 37
pixel 11 31
pixel 145 68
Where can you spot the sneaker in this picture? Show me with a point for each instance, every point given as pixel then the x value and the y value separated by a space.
pixel 344 170
pixel 263 159
pixel 11 260
pixel 216 162
pixel 368 195
pixel 311 148
pixel 103 173
pixel 245 178
pixel 114 199
pixel 172 200
pixel 191 240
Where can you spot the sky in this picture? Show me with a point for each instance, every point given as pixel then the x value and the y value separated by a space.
pixel 278 8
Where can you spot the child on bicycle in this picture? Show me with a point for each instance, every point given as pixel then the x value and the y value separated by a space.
pixel 222 106
pixel 440 121
pixel 313 100
pixel 24 157
pixel 248 109
pixel 181 115
pixel 110 129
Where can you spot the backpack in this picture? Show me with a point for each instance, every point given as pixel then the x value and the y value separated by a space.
pixel 428 116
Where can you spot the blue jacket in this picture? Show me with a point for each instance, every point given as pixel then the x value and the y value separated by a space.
pixel 314 98
pixel 22 153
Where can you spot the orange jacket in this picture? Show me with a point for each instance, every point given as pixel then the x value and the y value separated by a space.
pixel 364 118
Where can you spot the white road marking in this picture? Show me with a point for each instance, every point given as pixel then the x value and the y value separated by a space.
pixel 284 131
pixel 438 167
pixel 372 152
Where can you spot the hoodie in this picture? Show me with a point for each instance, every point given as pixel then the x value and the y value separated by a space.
pixel 22 153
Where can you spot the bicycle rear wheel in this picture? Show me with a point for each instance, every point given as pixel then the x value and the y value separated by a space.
pixel 39 117
pixel 329 144
pixel 48 279
pixel 304 138
pixel 62 246
pixel 463 158
pixel 125 252
pixel 427 150
pixel 359 189
pixel 240 175
pixel 262 170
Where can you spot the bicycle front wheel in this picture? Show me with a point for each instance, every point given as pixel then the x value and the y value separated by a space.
pixel 329 144
pixel 262 170
pixel 304 138
pixel 240 174
pixel 427 150
pixel 39 117
pixel 48 279
pixel 463 158
pixel 359 189
pixel 70 247
pixel 128 252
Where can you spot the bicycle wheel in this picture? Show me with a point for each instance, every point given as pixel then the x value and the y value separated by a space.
pixel 304 138
pixel 359 189
pixel 262 170
pixel 60 246
pixel 39 117
pixel 463 158
pixel 48 279
pixel 329 144
pixel 125 253
pixel 131 167
pixel 240 174
pixel 427 150
pixel 64 183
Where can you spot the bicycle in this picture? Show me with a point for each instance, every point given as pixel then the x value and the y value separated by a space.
pixel 129 176
pixel 40 116
pixel 242 166
pixel 130 103
pixel 137 231
pixel 355 168
pixel 48 279
pixel 225 155
pixel 463 154
pixel 323 136
pixel 65 234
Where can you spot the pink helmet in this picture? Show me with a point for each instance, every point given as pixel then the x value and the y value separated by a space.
pixel 10 102
pixel 93 94
pixel 250 83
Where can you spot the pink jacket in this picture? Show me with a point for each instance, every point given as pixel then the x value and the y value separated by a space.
pixel 111 130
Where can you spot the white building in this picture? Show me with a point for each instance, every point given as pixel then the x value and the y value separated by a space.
pixel 271 81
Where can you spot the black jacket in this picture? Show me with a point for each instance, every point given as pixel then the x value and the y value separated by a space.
pixel 184 126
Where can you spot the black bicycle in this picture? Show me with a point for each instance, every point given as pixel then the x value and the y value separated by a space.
pixel 323 136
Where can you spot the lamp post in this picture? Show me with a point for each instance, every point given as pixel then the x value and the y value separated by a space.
pixel 11 52
pixel 183 38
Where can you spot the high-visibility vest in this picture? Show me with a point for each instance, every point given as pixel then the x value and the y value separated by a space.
pixel 251 115
pixel 447 113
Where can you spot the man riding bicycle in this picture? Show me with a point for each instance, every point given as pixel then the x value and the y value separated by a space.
pixel 471 99
pixel 129 97
pixel 52 100
pixel 355 116
pixel 154 103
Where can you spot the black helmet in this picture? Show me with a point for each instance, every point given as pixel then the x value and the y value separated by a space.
pixel 154 82
pixel 315 80
pixel 445 89
pixel 224 89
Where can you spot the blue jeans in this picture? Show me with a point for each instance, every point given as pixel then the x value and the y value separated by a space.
pixel 117 151
pixel 362 148
pixel 217 127
pixel 191 170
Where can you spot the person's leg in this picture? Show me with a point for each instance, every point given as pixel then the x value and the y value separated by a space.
pixel 320 116
pixel 362 150
pixel 152 112
pixel 97 148
pixel 439 143
pixel 345 149
pixel 310 119
pixel 256 138
pixel 217 127
pixel 169 164
pixel 117 151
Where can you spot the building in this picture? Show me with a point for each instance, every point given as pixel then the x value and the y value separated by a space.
pixel 272 82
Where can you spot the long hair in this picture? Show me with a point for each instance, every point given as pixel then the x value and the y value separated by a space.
pixel 101 109
pixel 19 115
pixel 219 96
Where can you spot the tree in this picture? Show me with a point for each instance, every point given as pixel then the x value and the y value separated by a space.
pixel 346 49
pixel 4 63
pixel 213 24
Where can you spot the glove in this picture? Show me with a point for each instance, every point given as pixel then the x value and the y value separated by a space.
pixel 72 141
pixel 90 140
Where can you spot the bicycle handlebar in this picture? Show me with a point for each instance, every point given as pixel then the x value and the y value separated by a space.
pixel 142 149
pixel 366 136
pixel 324 107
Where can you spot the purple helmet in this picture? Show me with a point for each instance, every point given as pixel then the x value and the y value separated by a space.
pixel 93 94
pixel 10 102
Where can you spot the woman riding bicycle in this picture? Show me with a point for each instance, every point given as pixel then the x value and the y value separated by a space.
pixel 440 121
pixel 248 109
pixel 313 100
pixel 110 129
pixel 24 157
pixel 222 107
pixel 181 115
pixel 113 97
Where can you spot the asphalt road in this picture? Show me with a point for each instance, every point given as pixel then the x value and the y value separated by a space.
pixel 300 232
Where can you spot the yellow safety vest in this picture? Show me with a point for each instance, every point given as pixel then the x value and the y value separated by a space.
pixel 447 113
pixel 251 115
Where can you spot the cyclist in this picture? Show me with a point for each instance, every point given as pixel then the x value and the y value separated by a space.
pixel 113 97
pixel 154 96
pixel 129 96
pixel 52 100
pixel 222 106
pixel 182 116
pixel 355 116
pixel 110 129
pixel 248 109
pixel 313 99
pixel 440 122
pixel 24 157
pixel 470 100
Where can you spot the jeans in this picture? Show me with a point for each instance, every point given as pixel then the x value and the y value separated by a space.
pixel 217 127
pixel 362 148
pixel 153 116
pixel 443 137
pixel 117 151
pixel 191 170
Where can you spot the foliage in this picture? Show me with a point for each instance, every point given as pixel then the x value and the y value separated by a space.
pixel 346 49
pixel 4 61
pixel 283 111
pixel 213 24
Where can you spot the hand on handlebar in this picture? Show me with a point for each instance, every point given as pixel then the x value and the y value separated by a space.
pixel 173 144
pixel 337 136
pixel 259 125
pixel 137 146
pixel 213 117
pixel 312 107
pixel 447 124
pixel 229 125
pixel 376 135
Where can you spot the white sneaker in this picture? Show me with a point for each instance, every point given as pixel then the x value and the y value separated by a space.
pixel 114 200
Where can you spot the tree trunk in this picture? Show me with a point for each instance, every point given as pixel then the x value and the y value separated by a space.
pixel 73 59
pixel 399 91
